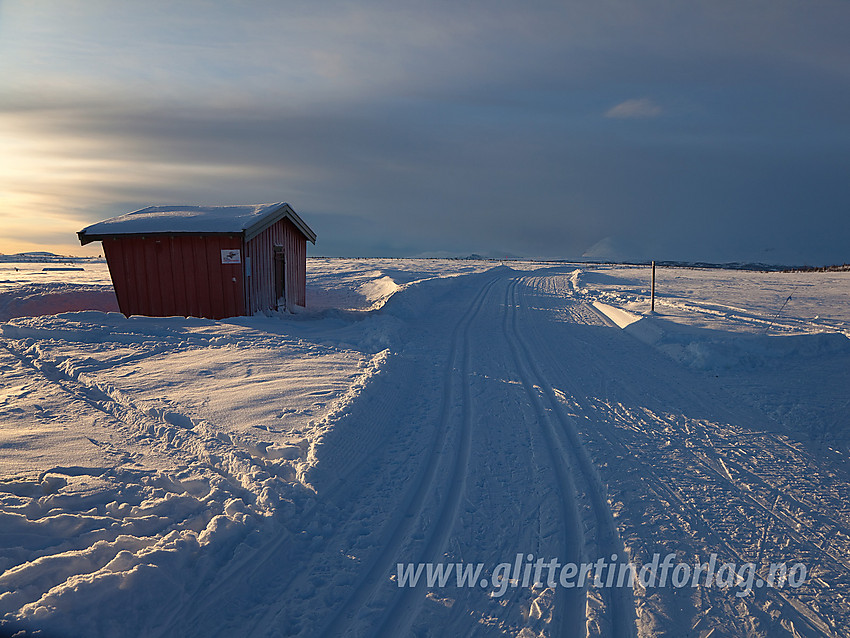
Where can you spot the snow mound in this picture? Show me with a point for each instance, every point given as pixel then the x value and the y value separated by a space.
pixel 753 351
pixel 379 290
pixel 621 317
pixel 711 349
pixel 31 300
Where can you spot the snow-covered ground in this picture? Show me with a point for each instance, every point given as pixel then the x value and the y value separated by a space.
pixel 38 288
pixel 263 476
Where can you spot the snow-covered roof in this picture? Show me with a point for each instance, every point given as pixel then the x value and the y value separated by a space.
pixel 249 219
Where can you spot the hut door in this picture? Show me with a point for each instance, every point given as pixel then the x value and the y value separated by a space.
pixel 280 277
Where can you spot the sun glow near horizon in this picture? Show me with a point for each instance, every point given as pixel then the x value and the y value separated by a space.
pixel 419 129
pixel 47 191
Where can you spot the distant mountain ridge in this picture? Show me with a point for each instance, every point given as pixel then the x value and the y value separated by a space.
pixel 43 257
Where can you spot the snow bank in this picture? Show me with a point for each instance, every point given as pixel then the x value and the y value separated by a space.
pixel 361 285
pixel 621 317
pixel 49 299
pixel 16 274
pixel 774 318
pixel 709 349
pixel 379 290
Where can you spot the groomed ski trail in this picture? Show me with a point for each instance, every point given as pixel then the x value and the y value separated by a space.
pixel 450 428
pixel 567 446
pixel 453 437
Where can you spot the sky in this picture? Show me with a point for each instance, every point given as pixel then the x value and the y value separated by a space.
pixel 609 129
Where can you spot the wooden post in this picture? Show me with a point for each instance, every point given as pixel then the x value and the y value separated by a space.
pixel 652 296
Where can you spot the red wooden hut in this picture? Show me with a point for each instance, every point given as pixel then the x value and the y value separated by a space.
pixel 213 261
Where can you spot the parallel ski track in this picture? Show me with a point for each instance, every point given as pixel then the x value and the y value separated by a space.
pixel 569 611
pixel 253 568
pixel 806 617
pixel 570 445
pixel 791 526
pixel 620 600
pixel 113 403
pixel 403 608
pixel 569 603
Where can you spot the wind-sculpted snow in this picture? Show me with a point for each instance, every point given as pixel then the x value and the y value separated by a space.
pixel 192 433
pixel 32 300
pixel 264 476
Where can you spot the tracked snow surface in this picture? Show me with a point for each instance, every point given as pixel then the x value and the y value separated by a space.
pixel 264 476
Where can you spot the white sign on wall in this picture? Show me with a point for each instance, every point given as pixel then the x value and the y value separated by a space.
pixel 232 256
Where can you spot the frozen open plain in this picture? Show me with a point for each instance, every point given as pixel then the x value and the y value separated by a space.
pixel 263 476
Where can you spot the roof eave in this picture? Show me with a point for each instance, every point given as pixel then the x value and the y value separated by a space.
pixel 285 211
pixel 87 239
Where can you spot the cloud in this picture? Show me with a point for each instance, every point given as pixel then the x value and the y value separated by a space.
pixel 636 108
pixel 398 179
pixel 454 127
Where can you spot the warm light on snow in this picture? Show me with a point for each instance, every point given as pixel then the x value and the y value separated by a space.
pixel 285 474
